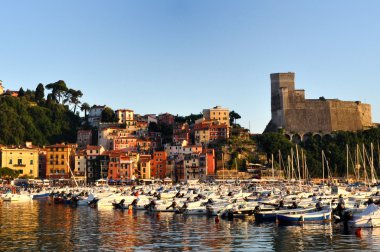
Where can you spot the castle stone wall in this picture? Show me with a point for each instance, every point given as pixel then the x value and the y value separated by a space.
pixel 295 114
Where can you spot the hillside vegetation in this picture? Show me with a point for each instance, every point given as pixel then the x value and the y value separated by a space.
pixel 31 117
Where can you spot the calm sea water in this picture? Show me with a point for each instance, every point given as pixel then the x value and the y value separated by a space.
pixel 42 226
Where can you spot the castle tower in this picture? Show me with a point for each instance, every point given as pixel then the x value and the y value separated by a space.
pixel 281 85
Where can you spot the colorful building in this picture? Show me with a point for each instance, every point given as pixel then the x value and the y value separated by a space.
pixel 93 163
pixel 124 115
pixel 222 115
pixel 24 159
pixel 144 167
pixel 59 160
pixel 158 164
pixel 166 118
pixel 181 132
pixel 121 166
pixel 206 132
pixel 80 165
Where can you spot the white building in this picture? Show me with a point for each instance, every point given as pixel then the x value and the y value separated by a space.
pixel 95 115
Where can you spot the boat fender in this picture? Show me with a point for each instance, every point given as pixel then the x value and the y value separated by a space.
pixel 358 232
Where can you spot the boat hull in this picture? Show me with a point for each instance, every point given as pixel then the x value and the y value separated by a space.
pixel 321 216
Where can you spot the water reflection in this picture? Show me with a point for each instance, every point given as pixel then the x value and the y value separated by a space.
pixel 43 226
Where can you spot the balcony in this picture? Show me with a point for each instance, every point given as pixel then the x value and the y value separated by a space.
pixel 19 165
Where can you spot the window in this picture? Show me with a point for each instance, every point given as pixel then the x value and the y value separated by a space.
pixel 62 162
pixel 10 161
pixel 51 162
pixel 30 171
pixel 31 161
pixel 19 161
pixel 62 156
pixel 51 156
pixel 21 171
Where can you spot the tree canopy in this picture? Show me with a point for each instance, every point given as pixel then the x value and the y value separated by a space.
pixel 31 118
pixel 108 115
pixel 6 172
pixel 233 117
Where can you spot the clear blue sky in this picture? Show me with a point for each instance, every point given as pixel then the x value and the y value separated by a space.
pixel 182 56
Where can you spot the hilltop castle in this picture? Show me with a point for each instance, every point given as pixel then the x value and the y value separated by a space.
pixel 295 114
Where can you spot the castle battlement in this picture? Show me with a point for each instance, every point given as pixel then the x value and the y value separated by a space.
pixel 292 112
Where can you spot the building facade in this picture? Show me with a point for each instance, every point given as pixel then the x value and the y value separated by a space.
pixel 59 160
pixel 84 138
pixel 222 115
pixel 124 115
pixel 24 160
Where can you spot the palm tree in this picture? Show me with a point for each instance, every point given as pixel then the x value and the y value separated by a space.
pixel 85 107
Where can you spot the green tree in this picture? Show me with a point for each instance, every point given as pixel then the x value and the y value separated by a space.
pixel 58 90
pixel 85 107
pixel 108 115
pixel 233 117
pixel 6 172
pixel 21 92
pixel 40 93
pixel 72 97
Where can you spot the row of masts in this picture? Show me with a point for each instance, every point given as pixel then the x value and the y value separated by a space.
pixel 360 163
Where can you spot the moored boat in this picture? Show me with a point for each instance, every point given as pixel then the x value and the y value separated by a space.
pixel 296 217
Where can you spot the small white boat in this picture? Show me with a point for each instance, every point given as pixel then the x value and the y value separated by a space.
pixel 318 216
pixel 368 218
pixel 16 197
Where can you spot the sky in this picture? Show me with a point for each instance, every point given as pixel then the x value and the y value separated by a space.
pixel 181 56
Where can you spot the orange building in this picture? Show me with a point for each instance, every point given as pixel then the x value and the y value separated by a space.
pixel 210 157
pixel 121 166
pixel 124 143
pixel 59 159
pixel 158 164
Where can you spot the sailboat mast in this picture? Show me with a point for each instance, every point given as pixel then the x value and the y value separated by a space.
pixel 298 164
pixel 323 168
pixel 272 167
pixel 372 168
pixel 347 162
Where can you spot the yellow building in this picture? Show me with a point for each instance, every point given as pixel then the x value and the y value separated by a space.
pixel 22 159
pixel 59 158
pixel 144 161
pixel 217 113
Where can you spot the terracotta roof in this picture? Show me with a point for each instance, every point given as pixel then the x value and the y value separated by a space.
pixel 93 147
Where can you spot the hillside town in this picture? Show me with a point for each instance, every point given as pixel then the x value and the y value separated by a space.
pixel 127 149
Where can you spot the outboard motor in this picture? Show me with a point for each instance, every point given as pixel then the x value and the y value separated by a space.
pixel 93 203
pixel 173 205
pixel 257 209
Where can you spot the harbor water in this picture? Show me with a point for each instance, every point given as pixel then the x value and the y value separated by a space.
pixel 43 226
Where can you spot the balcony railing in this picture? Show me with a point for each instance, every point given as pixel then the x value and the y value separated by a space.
pixel 19 165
